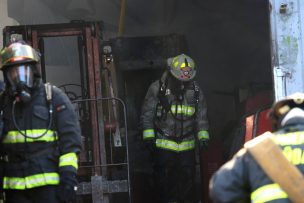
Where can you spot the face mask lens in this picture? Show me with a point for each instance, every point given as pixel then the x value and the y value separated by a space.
pixel 20 75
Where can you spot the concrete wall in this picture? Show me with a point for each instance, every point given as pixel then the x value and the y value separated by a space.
pixel 4 21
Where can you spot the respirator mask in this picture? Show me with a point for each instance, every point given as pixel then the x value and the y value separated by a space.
pixel 21 80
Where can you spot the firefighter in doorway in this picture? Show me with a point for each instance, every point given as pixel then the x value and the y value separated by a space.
pixel 174 118
pixel 242 179
pixel 40 132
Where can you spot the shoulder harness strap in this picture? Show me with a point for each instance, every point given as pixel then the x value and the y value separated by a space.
pixel 196 94
pixel 48 91
pixel 163 100
pixel 49 97
pixel 196 91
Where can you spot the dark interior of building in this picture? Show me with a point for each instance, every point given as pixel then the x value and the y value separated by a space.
pixel 230 42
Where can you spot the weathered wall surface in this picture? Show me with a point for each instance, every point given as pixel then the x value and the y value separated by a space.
pixel 4 21
pixel 287 36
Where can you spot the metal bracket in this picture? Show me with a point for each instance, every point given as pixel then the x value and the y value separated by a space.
pixel 100 186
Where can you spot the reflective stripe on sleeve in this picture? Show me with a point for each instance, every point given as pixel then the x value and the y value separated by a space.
pixel 174 146
pixel 148 133
pixel 38 180
pixel 13 137
pixel 69 159
pixel 268 193
pixel 203 134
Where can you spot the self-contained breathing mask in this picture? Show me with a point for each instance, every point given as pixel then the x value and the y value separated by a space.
pixel 21 81
pixel 18 61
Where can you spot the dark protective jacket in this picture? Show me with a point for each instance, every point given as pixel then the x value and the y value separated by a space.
pixel 242 179
pixel 174 122
pixel 31 160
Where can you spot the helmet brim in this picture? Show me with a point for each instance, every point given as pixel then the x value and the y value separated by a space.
pixel 18 53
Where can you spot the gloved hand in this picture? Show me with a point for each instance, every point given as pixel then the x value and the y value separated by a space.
pixel 203 144
pixel 66 192
pixel 150 145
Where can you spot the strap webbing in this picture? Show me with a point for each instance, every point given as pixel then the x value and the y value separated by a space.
pixel 271 159
pixel 48 91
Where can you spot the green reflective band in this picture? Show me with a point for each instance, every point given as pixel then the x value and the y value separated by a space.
pixel 13 137
pixel 203 134
pixel 148 133
pixel 38 180
pixel 183 109
pixel 294 138
pixel 175 62
pixel 268 193
pixel 69 159
pixel 177 147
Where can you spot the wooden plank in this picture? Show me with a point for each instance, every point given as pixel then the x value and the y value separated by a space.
pixel 271 159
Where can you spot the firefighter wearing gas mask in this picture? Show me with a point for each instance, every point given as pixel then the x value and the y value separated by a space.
pixel 40 139
pixel 20 70
pixel 174 120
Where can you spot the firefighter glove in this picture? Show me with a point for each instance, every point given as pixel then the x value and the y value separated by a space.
pixel 67 188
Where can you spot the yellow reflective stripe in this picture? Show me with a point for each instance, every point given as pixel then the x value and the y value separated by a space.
pixel 294 138
pixel 183 109
pixel 148 133
pixel 32 181
pixel 295 155
pixel 13 183
pixel 175 62
pixel 268 193
pixel 203 134
pixel 69 159
pixel 174 146
pixel 13 137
